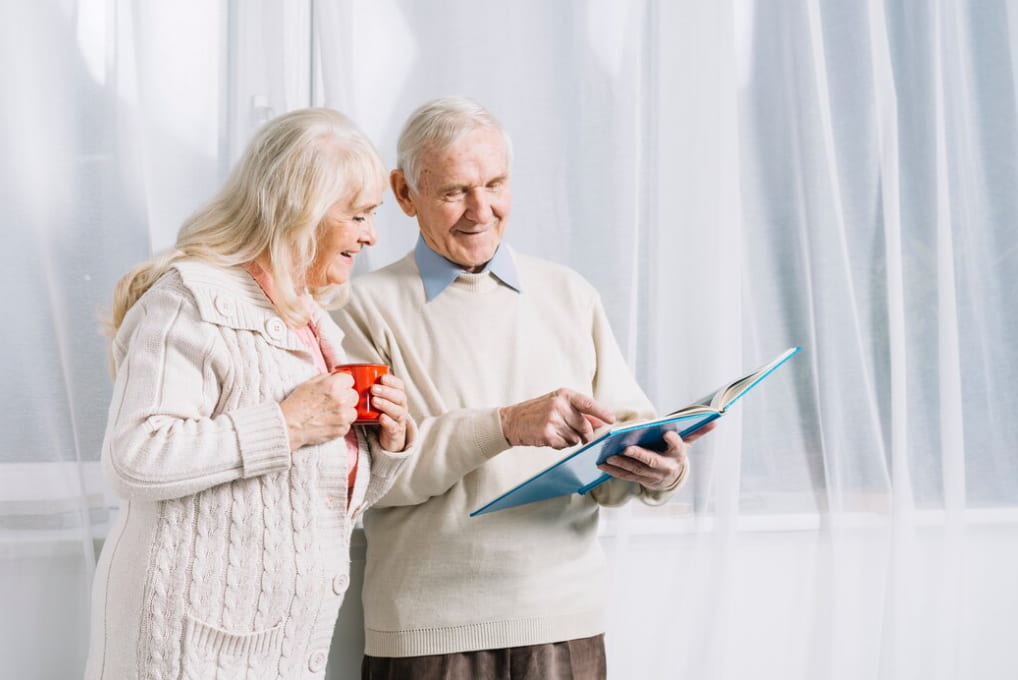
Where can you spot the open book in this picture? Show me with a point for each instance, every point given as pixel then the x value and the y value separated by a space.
pixel 577 472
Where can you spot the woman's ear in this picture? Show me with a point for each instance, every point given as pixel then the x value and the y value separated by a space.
pixel 401 190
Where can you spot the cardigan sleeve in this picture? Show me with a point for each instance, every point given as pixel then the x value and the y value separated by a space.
pixel 164 438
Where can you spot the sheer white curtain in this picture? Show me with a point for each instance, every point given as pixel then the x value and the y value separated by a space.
pixel 120 118
pixel 859 520
pixel 735 178
pixel 59 175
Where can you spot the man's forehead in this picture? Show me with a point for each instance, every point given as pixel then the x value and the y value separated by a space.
pixel 467 169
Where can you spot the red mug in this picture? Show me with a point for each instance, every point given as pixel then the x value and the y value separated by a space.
pixel 364 376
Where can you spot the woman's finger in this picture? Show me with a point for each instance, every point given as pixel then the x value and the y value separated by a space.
pixel 392 381
pixel 395 395
pixel 395 411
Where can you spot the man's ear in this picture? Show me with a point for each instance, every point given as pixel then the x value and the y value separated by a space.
pixel 401 190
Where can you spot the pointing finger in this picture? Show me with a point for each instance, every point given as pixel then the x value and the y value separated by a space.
pixel 580 424
pixel 589 407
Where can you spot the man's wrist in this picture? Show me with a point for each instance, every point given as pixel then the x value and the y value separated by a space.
pixel 679 477
pixel 503 422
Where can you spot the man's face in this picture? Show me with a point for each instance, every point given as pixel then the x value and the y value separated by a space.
pixel 463 198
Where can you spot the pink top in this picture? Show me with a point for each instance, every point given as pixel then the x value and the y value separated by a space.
pixel 308 335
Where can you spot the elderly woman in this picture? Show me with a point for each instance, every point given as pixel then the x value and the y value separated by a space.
pixel 229 437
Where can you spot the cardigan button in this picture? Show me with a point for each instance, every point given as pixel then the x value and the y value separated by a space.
pixel 339 583
pixel 225 305
pixel 316 662
pixel 275 328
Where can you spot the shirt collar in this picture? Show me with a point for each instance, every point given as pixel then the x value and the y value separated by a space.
pixel 437 272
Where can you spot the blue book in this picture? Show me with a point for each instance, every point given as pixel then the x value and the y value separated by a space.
pixel 578 473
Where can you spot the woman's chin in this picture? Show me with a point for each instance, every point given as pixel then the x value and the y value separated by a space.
pixel 339 276
pixel 333 277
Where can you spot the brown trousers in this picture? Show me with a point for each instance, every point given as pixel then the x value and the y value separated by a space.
pixel 570 660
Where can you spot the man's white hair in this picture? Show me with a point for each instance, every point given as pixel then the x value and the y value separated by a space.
pixel 435 126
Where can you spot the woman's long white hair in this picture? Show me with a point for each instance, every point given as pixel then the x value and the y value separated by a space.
pixel 296 167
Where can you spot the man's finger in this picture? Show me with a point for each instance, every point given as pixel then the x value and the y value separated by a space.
pixel 640 455
pixel 673 441
pixel 587 406
pixel 693 436
pixel 616 471
pixel 576 424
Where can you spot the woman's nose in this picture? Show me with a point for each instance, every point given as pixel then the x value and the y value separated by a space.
pixel 368 234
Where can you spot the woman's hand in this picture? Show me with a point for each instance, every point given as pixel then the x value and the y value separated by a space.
pixel 320 410
pixel 389 398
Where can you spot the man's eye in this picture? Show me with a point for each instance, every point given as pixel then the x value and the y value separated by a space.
pixel 359 218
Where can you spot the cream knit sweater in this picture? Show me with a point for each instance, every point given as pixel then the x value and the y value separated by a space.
pixel 229 556
pixel 438 581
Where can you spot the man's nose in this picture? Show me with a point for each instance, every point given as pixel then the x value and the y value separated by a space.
pixel 479 206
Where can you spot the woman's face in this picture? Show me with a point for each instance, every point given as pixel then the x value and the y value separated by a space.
pixel 348 226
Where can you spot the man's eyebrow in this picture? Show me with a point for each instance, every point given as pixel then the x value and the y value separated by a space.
pixel 453 186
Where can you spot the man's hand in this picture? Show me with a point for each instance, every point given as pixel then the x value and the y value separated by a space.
pixel 654 470
pixel 558 419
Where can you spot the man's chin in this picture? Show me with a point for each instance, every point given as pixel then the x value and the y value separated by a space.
pixel 477 262
pixel 476 257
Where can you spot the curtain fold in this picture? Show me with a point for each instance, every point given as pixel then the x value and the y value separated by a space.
pixel 48 502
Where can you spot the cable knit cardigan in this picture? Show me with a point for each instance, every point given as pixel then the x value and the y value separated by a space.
pixel 229 557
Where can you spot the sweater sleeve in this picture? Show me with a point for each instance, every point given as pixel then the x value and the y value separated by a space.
pixel 448 446
pixel 162 438
pixel 465 438
pixel 615 385
pixel 386 464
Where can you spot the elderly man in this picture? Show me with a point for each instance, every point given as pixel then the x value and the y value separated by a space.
pixel 506 358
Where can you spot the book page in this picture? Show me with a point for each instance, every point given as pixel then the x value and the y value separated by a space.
pixel 727 395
